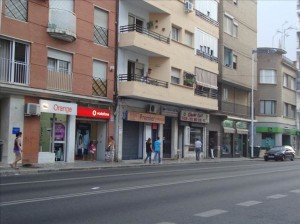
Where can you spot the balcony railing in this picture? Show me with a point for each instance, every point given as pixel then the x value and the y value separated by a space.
pixel 99 87
pixel 15 72
pixel 140 29
pixel 144 79
pixel 234 108
pixel 206 92
pixel 62 24
pixel 59 81
pixel 207 18
pixel 207 56
pixel 100 35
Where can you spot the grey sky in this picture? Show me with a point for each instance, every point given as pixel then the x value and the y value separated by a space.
pixel 272 15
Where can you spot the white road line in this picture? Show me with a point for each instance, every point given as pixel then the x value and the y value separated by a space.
pixel 296 191
pixel 249 203
pixel 95 188
pixel 211 213
pixel 277 196
pixel 166 223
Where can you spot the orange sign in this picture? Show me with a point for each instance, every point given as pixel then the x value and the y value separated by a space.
pixel 144 117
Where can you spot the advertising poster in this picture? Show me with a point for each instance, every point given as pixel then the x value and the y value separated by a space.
pixel 83 131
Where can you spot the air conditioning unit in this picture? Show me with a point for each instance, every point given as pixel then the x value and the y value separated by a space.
pixel 32 109
pixel 152 108
pixel 188 6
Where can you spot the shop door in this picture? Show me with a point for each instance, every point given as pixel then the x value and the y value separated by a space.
pixel 130 140
pixel 167 138
pixel 59 141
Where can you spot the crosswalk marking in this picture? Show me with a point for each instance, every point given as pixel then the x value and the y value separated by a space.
pixel 249 203
pixel 211 213
pixel 277 196
pixel 296 191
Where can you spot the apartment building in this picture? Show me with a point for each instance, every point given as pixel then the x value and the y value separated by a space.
pixel 57 69
pixel 167 75
pixel 238 38
pixel 275 99
pixel 298 67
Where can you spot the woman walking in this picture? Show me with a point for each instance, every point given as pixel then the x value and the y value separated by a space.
pixel 17 150
pixel 110 150
pixel 149 150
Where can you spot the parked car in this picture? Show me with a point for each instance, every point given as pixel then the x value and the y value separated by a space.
pixel 280 153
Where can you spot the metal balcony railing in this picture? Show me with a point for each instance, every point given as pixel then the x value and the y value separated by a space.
pixel 207 56
pixel 15 72
pixel 140 29
pixel 60 81
pixel 99 87
pixel 207 18
pixel 206 92
pixel 100 35
pixel 234 108
pixel 144 79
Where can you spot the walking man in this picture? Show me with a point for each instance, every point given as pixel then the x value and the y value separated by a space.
pixel 211 147
pixel 198 146
pixel 157 144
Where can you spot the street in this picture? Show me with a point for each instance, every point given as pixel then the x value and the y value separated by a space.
pixel 248 192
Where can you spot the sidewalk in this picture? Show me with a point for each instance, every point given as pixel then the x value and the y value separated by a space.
pixel 6 170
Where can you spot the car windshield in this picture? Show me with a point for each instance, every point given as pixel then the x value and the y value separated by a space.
pixel 277 149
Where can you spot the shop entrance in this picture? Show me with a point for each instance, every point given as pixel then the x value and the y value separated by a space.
pixel 167 138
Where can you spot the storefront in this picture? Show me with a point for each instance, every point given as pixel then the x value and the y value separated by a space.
pixel 91 128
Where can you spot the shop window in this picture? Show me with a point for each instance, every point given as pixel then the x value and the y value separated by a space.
pixel 227 143
pixel 194 134
pixel 267 140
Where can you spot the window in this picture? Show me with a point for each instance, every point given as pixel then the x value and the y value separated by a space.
pixel 235 30
pixel 230 26
pixel 175 76
pixel 268 107
pixel 285 110
pixel 293 111
pixel 188 38
pixel 99 70
pixel 227 57
pixel 225 94
pixel 208 8
pixel 100 27
pixel 175 33
pixel 14 62
pixel 267 76
pixel 293 85
pixel 207 43
pixel 59 61
pixel 16 9
pixel 194 134
pixel 285 80
pixel 234 62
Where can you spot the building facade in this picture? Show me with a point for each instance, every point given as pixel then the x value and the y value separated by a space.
pixel 275 99
pixel 57 69
pixel 167 75
pixel 238 38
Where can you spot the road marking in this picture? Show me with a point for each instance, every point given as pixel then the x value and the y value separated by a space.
pixel 249 203
pixel 166 223
pixel 211 213
pixel 95 188
pixel 277 196
pixel 296 191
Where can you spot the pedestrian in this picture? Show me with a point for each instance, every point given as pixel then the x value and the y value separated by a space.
pixel 212 147
pixel 198 147
pixel 17 150
pixel 157 144
pixel 149 150
pixel 110 150
pixel 92 150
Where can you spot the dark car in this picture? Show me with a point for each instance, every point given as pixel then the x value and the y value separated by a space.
pixel 280 153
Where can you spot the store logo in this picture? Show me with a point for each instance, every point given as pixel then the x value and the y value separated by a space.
pixel 62 108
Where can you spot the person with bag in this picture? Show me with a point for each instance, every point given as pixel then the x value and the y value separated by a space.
pixel 110 150
pixel 149 150
pixel 17 150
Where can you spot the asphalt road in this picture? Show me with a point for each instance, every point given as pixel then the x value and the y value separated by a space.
pixel 247 192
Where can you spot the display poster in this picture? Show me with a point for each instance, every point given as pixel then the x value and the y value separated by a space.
pixel 60 130
pixel 83 131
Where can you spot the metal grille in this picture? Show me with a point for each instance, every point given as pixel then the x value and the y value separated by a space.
pixel 100 35
pixel 99 87
pixel 16 9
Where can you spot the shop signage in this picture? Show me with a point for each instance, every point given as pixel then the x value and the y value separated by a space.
pixel 191 116
pixel 169 112
pixel 48 106
pixel 228 124
pixel 144 117
pixel 93 112
pixel 241 125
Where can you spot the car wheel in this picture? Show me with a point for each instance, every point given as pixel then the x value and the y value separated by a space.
pixel 292 158
pixel 283 158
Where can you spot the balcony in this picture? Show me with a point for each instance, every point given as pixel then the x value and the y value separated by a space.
pixel 62 25
pixel 99 87
pixel 235 109
pixel 206 18
pixel 207 56
pixel 59 81
pixel 140 40
pixel 206 92
pixel 14 72
pixel 145 88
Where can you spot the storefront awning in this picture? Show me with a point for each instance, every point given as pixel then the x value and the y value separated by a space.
pixel 242 131
pixel 229 130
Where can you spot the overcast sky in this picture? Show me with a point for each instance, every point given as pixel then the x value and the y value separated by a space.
pixel 272 16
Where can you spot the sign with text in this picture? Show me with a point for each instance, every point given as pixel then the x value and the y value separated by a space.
pixel 144 117
pixel 192 116
pixel 48 106
pixel 93 112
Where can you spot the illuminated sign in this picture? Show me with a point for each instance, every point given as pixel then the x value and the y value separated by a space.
pixel 48 106
pixel 93 112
